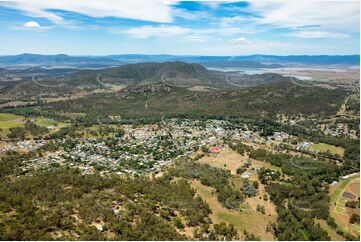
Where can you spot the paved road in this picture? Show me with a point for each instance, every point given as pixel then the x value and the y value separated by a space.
pixel 234 84
pixel 172 84
pixel 298 84
pixel 342 110
pixel 102 83
pixel 41 84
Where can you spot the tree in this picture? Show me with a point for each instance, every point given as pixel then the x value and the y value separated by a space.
pixel 261 209
pixel 353 204
pixel 248 188
pixel 241 170
pixel 205 149
pixel 355 219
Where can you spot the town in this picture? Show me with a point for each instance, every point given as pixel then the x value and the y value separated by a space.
pixel 143 149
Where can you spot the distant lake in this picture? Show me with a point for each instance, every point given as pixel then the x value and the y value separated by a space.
pixel 286 71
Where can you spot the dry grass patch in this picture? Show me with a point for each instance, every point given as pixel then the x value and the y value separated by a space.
pixel 250 220
pixel 331 232
pixel 338 210
pixel 226 159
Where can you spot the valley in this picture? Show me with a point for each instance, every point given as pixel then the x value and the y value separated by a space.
pixel 173 150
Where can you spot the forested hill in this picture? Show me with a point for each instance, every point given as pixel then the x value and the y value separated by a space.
pixel 145 73
pixel 154 100
pixel 179 74
pixel 172 73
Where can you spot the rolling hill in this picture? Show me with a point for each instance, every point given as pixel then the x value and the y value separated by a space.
pixel 157 99
pixel 53 82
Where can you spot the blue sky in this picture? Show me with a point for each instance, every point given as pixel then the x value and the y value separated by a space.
pixel 101 27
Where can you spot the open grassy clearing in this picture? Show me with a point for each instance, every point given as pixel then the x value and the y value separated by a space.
pixel 48 122
pixel 355 228
pixel 322 147
pixel 229 159
pixel 9 117
pixel 339 211
pixel 73 115
pixel 9 120
pixel 260 164
pixel 236 181
pixel 226 159
pixel 8 125
pixel 250 220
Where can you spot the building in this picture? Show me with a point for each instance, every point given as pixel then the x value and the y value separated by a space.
pixel 216 149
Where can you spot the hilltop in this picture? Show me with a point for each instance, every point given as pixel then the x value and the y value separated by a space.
pixel 145 73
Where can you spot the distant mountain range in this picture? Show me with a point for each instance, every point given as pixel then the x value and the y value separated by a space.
pixel 56 60
pixel 250 61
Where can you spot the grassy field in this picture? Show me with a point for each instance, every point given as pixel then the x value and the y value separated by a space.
pixel 48 122
pixel 9 117
pixel 73 115
pixel 8 120
pixel 250 220
pixel 8 125
pixel 227 159
pixel 322 147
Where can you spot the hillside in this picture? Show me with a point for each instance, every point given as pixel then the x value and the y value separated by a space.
pixel 193 78
pixel 144 73
pixel 172 73
pixel 155 100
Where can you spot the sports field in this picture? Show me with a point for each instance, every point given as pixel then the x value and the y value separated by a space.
pixel 322 147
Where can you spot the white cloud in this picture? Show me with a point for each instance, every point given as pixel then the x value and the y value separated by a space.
pixel 241 41
pixel 164 30
pixel 31 24
pixel 333 16
pixel 197 38
pixel 148 31
pixel 323 15
pixel 231 31
pixel 318 35
pixel 190 15
pixel 230 21
pixel 149 10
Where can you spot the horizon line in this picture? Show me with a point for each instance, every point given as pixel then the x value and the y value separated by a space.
pixel 185 55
